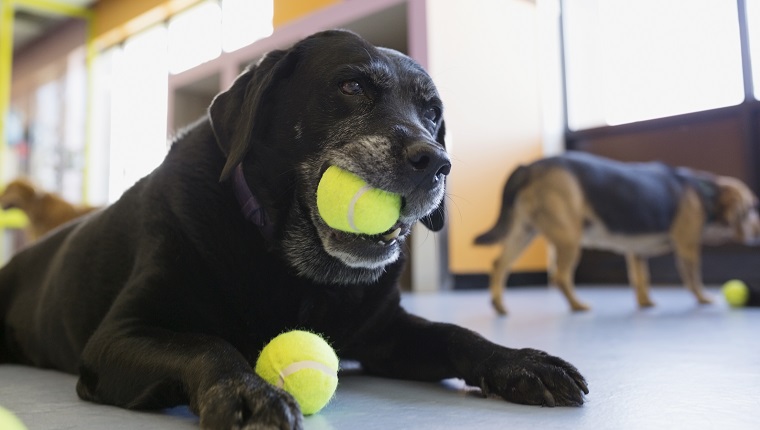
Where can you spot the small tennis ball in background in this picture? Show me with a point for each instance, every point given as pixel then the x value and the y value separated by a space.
pixel 302 364
pixel 347 203
pixel 740 294
pixel 735 292
pixel 9 421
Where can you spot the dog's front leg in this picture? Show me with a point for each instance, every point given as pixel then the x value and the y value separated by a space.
pixel 413 348
pixel 150 368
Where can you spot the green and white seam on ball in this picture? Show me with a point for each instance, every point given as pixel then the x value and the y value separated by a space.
pixel 352 205
pixel 304 364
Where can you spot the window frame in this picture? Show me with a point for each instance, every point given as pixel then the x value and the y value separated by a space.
pixel 747 112
pixel 679 141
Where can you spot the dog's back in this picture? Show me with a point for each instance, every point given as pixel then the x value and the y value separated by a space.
pixel 44 287
pixel 14 291
pixel 629 198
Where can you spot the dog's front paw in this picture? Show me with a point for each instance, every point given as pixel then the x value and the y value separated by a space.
pixel 248 404
pixel 531 377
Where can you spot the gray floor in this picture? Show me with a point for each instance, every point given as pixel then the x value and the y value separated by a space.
pixel 678 365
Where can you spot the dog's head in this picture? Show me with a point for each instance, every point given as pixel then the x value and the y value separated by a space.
pixel 737 213
pixel 19 193
pixel 738 209
pixel 334 99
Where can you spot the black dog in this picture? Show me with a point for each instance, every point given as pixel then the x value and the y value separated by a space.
pixel 167 296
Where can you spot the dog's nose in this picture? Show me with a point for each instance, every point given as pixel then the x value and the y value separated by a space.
pixel 428 161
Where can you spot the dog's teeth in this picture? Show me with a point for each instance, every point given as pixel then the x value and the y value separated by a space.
pixel 392 235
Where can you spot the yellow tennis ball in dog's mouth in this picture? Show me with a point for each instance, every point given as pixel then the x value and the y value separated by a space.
pixel 735 292
pixel 347 203
pixel 9 421
pixel 302 364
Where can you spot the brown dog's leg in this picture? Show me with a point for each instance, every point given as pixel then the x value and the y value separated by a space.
pixel 638 276
pixel 685 235
pixel 518 238
pixel 561 220
pixel 567 260
pixel 689 267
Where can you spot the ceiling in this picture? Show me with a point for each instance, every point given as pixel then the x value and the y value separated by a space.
pixel 30 23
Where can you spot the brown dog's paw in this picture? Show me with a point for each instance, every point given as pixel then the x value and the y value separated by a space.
pixel 532 377
pixel 580 307
pixel 248 404
pixel 498 306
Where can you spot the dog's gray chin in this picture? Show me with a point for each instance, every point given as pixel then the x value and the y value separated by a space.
pixel 359 252
pixel 327 256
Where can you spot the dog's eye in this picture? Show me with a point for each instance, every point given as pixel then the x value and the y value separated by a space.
pixel 351 88
pixel 433 114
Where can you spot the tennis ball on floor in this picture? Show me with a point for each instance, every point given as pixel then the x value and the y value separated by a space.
pixel 302 364
pixel 9 421
pixel 347 203
pixel 736 292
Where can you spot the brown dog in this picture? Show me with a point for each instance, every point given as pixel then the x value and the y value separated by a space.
pixel 45 210
pixel 637 209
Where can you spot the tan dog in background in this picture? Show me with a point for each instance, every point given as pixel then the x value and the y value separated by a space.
pixel 639 210
pixel 45 210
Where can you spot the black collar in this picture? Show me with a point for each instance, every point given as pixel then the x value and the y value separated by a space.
pixel 709 194
pixel 252 209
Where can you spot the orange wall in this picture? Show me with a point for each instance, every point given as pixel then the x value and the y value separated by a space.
pixel 492 97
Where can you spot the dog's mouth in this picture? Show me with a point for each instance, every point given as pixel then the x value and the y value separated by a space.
pixel 376 251
pixel 388 238
pixel 366 251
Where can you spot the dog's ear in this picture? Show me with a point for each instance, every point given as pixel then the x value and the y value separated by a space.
pixel 435 220
pixel 236 113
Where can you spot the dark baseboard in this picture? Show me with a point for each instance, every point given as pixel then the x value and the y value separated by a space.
pixel 477 281
pixel 719 264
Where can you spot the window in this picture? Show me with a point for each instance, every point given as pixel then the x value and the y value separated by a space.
pixel 230 25
pixel 139 95
pixel 139 72
pixel 629 61
pixel 245 21
pixel 195 36
pixel 753 21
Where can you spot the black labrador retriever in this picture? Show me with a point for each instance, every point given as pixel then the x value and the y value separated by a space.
pixel 167 296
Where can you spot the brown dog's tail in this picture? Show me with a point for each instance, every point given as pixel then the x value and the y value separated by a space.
pixel 515 183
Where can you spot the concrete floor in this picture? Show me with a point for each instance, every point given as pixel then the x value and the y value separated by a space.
pixel 678 365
